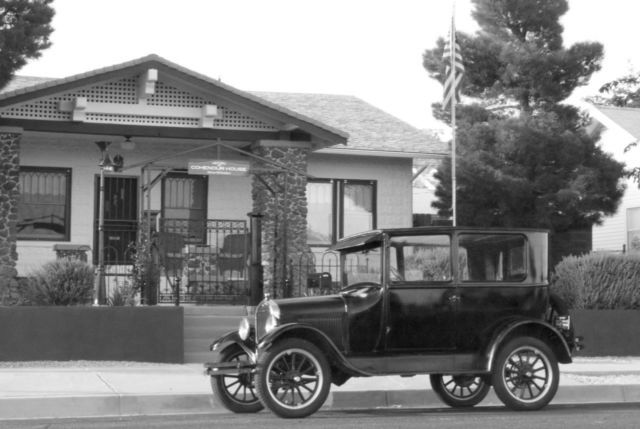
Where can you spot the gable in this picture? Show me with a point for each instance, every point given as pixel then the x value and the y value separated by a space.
pixel 152 92
pixel 134 100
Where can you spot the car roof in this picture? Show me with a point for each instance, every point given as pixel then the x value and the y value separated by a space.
pixel 376 235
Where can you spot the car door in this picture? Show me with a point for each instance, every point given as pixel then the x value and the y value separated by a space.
pixel 421 294
pixel 495 285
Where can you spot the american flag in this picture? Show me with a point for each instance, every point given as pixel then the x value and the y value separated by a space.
pixel 453 76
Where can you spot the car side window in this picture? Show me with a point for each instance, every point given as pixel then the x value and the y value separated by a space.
pixel 420 258
pixel 492 257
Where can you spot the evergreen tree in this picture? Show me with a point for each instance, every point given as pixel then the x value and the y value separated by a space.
pixel 524 159
pixel 24 32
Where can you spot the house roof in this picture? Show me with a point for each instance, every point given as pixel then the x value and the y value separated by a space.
pixel 627 118
pixel 366 129
pixel 369 128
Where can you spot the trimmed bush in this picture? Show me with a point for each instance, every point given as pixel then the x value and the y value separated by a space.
pixel 598 282
pixel 60 282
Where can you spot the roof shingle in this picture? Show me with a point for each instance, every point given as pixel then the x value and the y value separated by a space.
pixel 626 117
pixel 369 127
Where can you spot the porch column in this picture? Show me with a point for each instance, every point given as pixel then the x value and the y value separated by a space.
pixel 280 196
pixel 9 194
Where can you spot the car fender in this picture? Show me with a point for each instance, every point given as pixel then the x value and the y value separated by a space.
pixel 314 335
pixel 558 344
pixel 231 338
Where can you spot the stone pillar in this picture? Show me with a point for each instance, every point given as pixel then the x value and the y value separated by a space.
pixel 280 196
pixel 9 194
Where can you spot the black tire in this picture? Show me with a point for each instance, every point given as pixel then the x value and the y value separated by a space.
pixel 293 378
pixel 525 374
pixel 460 391
pixel 236 393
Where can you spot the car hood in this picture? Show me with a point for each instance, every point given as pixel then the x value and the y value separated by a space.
pixel 308 309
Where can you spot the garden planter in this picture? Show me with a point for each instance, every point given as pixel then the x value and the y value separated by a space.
pixel 144 334
pixel 608 332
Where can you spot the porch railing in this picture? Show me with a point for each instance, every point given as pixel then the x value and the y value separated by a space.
pixel 209 264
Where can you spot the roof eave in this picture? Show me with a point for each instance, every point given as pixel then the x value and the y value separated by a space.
pixel 381 153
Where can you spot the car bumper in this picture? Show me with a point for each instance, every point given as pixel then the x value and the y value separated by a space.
pixel 229 368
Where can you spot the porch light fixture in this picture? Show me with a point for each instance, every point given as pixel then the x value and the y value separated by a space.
pixel 105 163
pixel 128 144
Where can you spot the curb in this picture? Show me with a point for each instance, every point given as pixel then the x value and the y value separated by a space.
pixel 145 405
pixel 106 406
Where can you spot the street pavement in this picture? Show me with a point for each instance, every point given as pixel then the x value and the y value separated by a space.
pixel 94 389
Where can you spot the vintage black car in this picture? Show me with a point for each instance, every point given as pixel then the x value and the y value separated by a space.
pixel 471 307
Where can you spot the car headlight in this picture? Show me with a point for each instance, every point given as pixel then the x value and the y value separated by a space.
pixel 274 309
pixel 274 316
pixel 270 324
pixel 244 328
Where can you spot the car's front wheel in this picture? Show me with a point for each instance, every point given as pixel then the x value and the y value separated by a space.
pixel 293 378
pixel 459 391
pixel 525 375
pixel 236 393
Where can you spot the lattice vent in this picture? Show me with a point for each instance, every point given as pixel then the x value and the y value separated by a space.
pixel 125 91
pixel 169 96
pixel 142 120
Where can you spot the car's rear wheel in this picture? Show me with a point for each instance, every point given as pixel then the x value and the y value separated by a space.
pixel 459 391
pixel 293 378
pixel 525 375
pixel 236 393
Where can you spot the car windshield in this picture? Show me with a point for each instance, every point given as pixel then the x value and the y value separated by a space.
pixel 362 264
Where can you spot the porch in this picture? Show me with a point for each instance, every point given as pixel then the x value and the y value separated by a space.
pixel 208 268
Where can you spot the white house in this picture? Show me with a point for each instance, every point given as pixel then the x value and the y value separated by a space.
pixel 620 232
pixel 316 166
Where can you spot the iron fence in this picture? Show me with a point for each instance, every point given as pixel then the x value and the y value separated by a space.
pixel 315 273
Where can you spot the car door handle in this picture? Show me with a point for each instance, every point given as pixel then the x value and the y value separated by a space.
pixel 454 299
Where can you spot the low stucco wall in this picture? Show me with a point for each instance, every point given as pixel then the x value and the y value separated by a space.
pixel 608 332
pixel 143 334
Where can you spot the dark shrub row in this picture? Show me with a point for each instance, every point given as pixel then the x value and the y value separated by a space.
pixel 598 281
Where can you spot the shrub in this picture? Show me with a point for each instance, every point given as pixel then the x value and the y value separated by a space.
pixel 145 271
pixel 60 282
pixel 599 281
pixel 122 296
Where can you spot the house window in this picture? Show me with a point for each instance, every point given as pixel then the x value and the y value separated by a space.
pixel 633 229
pixel 338 208
pixel 44 204
pixel 184 206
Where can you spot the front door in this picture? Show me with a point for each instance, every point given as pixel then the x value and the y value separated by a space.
pixel 120 218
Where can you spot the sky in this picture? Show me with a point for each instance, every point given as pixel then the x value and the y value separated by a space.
pixel 371 49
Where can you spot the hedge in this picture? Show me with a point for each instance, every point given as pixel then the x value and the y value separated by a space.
pixel 598 281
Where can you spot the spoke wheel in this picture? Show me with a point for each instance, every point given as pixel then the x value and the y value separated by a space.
pixel 236 393
pixel 526 374
pixel 459 391
pixel 293 378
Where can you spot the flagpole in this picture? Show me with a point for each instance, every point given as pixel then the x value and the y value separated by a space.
pixel 452 42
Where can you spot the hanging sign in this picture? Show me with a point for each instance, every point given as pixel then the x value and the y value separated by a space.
pixel 219 168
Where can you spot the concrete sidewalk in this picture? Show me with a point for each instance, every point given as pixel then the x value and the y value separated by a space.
pixel 117 389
